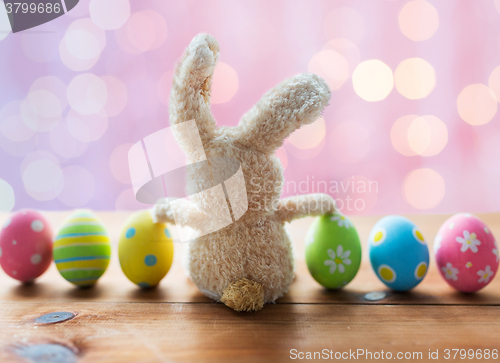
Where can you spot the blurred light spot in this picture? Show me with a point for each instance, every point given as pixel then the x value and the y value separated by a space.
pixel 117 96
pixel 357 195
pixel 308 136
pixel 146 30
pixel 82 45
pixel 424 188
pixel 399 135
pixel 372 80
pixel 12 125
pixel 7 196
pixel 304 154
pixel 477 104
pixel 494 82
pixel 89 26
pixel 344 23
pixel 87 128
pixel 330 65
pixel 41 110
pixel 497 5
pixel 79 11
pixel 18 148
pixel 64 144
pixel 45 103
pixel 118 163
pixel 439 135
pixel 16 138
pixel 109 14
pixel 14 128
pixel 43 179
pixel 54 85
pixel 42 45
pixel 35 156
pixel 418 20
pixel 225 83
pixel 349 142
pixel 414 78
pixel 87 94
pixel 78 188
pixel 73 63
pixel 127 201
pixel 412 135
pixel 164 86
pixel 282 155
pixel 419 135
pixel 123 41
pixel 346 49
pixel 5 28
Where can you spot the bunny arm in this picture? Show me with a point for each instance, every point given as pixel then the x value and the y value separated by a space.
pixel 190 94
pixel 186 213
pixel 293 103
pixel 304 205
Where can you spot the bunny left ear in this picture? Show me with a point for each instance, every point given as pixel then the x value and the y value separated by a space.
pixel 295 102
pixel 190 94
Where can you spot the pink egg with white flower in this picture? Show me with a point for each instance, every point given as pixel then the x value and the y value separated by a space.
pixel 466 253
pixel 26 245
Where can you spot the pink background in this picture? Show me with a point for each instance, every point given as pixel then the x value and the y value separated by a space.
pixel 55 158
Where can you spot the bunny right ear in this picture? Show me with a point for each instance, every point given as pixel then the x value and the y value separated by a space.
pixel 295 102
pixel 190 95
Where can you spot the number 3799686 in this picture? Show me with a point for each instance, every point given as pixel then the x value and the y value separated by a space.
pixel 33 8
pixel 475 354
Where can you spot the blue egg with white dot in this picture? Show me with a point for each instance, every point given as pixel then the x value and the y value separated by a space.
pixel 398 253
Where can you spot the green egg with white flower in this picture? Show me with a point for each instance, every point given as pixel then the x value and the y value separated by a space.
pixel 333 250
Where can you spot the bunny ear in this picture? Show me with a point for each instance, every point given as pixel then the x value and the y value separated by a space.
pixel 295 102
pixel 190 95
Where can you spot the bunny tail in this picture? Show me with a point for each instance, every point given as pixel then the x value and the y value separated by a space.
pixel 244 295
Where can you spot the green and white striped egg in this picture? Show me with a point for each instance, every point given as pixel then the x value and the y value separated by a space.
pixel 82 249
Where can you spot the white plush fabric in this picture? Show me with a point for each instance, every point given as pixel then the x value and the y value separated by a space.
pixel 256 247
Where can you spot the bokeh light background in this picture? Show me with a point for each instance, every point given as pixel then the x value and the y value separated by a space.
pixel 416 86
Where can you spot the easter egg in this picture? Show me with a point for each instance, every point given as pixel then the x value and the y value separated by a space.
pixel 145 250
pixel 466 253
pixel 82 249
pixel 398 253
pixel 25 245
pixel 333 250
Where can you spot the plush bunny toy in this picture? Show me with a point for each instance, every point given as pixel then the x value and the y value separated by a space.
pixel 249 262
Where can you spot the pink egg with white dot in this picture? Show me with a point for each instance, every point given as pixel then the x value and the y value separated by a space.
pixel 466 253
pixel 25 245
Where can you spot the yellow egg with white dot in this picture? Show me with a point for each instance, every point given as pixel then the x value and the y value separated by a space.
pixel 145 250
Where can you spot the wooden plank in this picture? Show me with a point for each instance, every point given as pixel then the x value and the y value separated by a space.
pixel 114 286
pixel 151 332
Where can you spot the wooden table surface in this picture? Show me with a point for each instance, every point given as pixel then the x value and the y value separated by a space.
pixel 117 322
